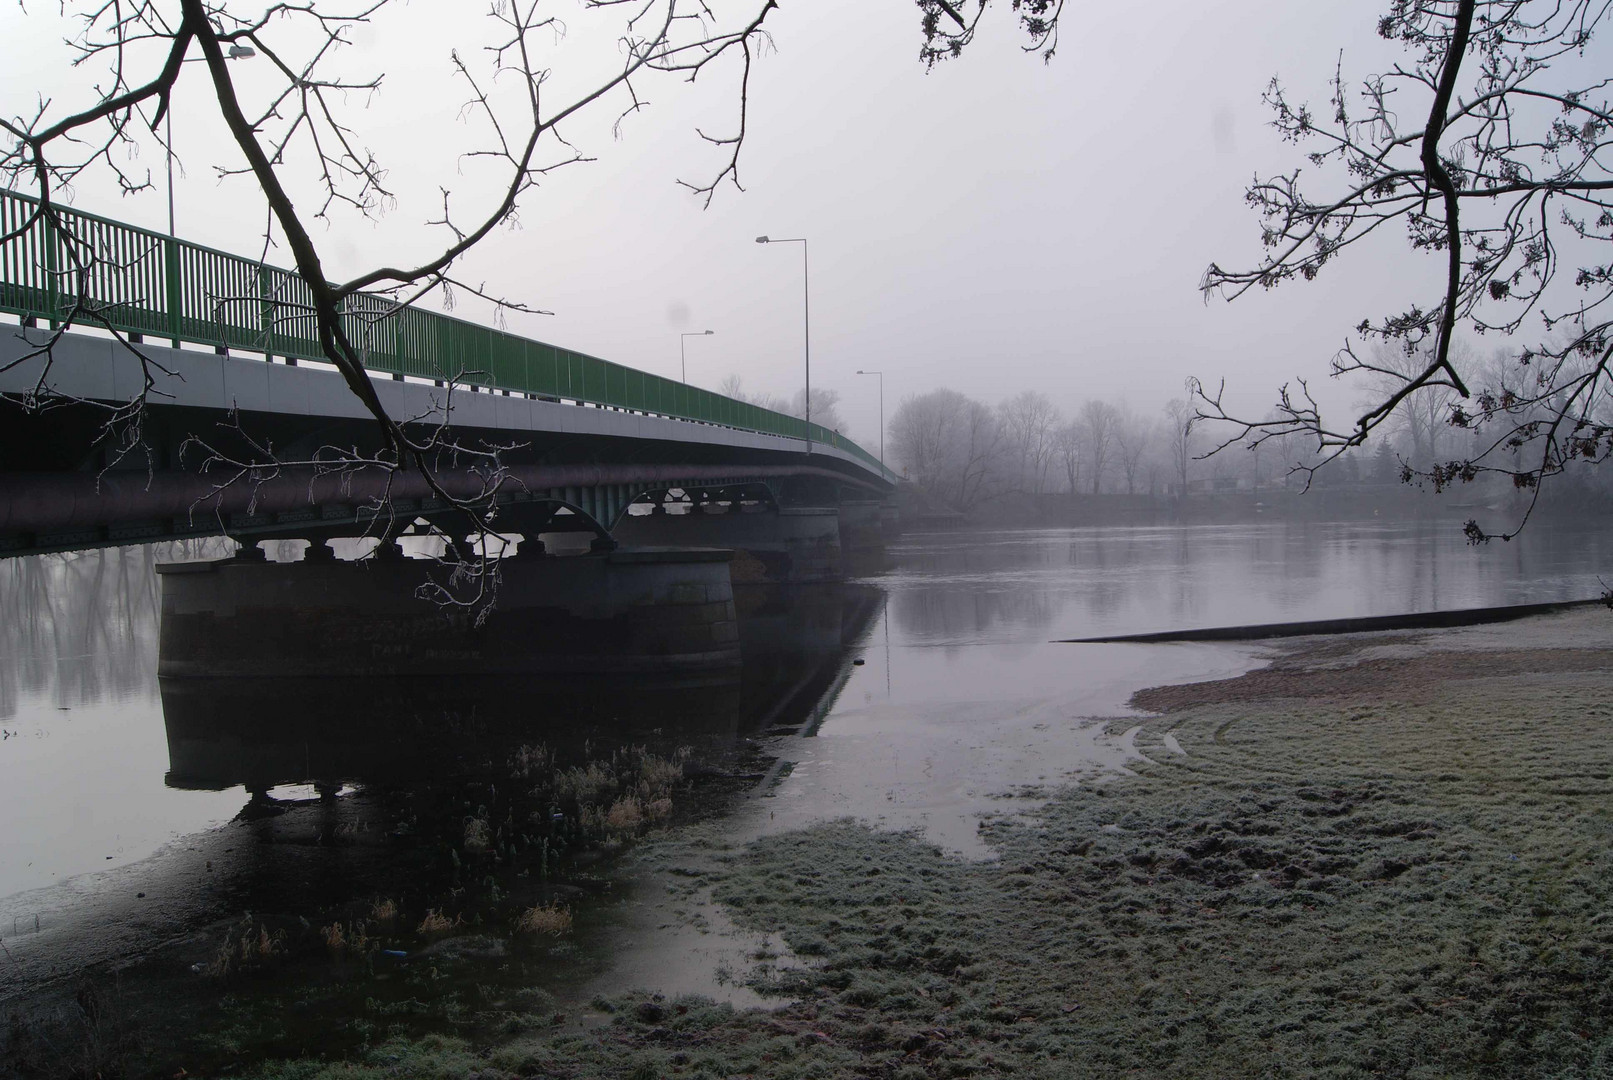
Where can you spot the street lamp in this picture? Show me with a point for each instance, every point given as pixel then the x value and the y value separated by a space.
pixel 236 52
pixel 806 320
pixel 682 361
pixel 881 375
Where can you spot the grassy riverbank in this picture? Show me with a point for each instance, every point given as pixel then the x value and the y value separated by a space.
pixel 1374 859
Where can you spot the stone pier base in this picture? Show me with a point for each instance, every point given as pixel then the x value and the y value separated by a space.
pixel 629 610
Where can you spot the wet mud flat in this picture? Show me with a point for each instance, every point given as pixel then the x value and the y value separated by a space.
pixel 1380 855
pixel 471 906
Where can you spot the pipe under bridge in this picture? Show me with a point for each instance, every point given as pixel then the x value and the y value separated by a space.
pixel 240 404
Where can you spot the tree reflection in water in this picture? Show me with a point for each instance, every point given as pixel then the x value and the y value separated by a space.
pixel 79 627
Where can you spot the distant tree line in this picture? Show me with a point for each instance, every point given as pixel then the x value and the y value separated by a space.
pixel 962 452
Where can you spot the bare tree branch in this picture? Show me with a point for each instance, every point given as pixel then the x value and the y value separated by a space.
pixel 296 127
pixel 1499 186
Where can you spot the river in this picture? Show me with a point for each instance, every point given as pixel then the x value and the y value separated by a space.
pixel 927 693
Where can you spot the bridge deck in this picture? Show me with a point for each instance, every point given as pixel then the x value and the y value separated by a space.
pixel 66 267
pixel 597 459
pixel 100 369
pixel 580 429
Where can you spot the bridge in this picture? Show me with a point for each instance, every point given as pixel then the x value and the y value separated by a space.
pixel 230 346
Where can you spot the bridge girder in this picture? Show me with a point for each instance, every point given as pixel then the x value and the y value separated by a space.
pixel 73 511
pixel 595 460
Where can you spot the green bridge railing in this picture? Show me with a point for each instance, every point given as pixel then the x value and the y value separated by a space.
pixel 143 282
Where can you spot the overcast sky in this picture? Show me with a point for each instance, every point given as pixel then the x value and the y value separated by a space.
pixel 994 225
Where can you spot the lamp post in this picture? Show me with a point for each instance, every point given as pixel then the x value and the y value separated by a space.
pixel 806 321
pixel 881 375
pixel 236 52
pixel 683 362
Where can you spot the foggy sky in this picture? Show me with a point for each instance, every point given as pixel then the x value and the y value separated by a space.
pixel 994 225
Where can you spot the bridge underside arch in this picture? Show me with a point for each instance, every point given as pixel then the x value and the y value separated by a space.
pixel 735 498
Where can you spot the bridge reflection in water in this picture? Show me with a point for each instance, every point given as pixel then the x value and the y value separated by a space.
pixel 266 731
pixel 478 795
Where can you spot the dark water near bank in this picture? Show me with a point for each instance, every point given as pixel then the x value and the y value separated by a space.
pixel 918 695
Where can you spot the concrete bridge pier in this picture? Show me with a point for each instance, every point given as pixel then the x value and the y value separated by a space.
pixel 647 611
pixel 781 545
pixel 262 733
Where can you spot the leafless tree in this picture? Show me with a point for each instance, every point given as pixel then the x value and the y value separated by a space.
pixel 1029 420
pixel 949 26
pixel 1099 419
pixel 734 386
pixel 949 444
pixel 296 128
pixel 982 445
pixel 1068 446
pixel 922 431
pixel 1133 438
pixel 825 408
pixel 1490 146
pixel 1180 417
pixel 98 607
pixel 1424 417
pixel 825 402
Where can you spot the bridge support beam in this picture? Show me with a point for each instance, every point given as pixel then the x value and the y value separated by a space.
pixel 659 611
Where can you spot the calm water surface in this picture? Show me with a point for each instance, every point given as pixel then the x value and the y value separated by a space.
pixel 84 760
pixel 966 695
pixel 1030 585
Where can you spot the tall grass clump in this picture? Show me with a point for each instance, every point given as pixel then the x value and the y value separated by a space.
pixel 551 919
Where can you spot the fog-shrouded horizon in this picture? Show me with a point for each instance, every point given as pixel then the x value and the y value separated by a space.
pixel 993 226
